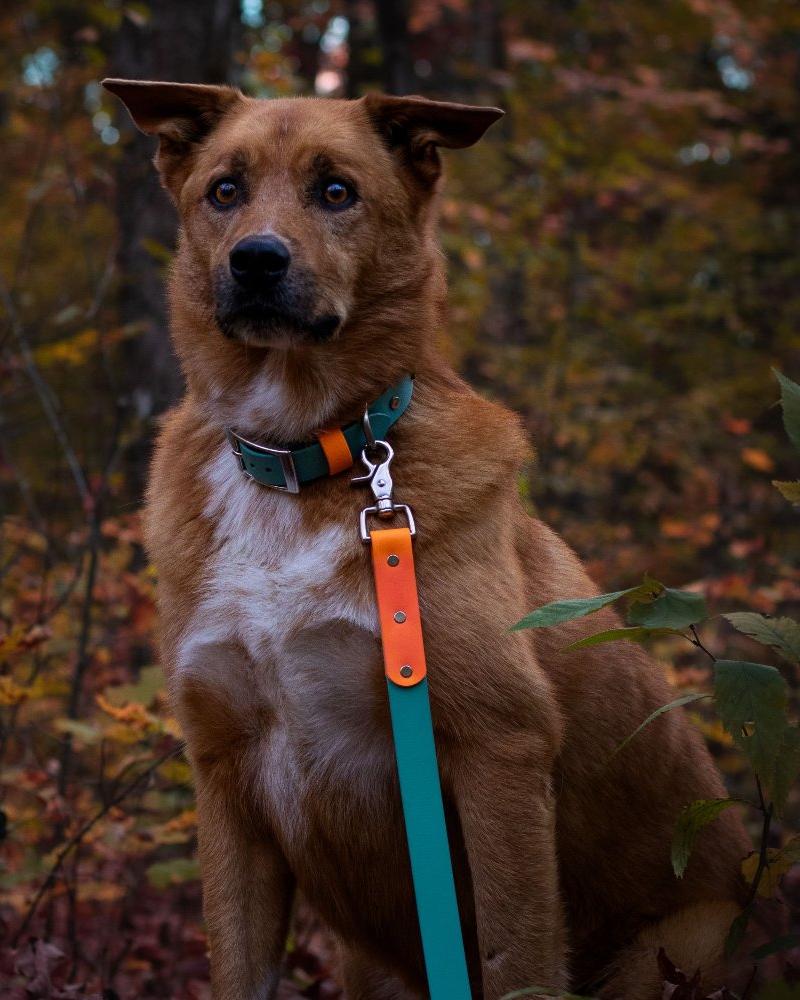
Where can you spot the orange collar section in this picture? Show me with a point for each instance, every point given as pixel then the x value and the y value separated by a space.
pixel 398 605
pixel 337 450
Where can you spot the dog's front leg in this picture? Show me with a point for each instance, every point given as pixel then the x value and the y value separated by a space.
pixel 507 814
pixel 247 894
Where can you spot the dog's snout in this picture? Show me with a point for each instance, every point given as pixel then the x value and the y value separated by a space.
pixel 259 260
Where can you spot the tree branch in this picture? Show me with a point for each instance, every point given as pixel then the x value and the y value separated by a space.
pixel 78 836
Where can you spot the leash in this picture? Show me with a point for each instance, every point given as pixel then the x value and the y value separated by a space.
pixel 334 451
pixel 412 728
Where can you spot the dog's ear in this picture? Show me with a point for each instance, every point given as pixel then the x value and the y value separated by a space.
pixel 416 127
pixel 179 114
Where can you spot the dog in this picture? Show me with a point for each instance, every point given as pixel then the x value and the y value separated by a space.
pixel 308 278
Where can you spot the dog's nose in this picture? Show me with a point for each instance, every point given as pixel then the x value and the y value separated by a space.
pixel 259 260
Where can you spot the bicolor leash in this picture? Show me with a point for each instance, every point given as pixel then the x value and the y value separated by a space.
pixel 412 728
pixel 335 450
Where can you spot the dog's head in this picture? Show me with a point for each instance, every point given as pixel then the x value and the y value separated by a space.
pixel 288 207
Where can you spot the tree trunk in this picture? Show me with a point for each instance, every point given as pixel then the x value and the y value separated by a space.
pixel 183 40
pixel 360 71
pixel 398 72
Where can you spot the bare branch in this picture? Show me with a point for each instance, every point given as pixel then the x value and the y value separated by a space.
pixel 45 394
pixel 78 836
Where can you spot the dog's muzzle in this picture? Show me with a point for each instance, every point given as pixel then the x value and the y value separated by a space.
pixel 264 297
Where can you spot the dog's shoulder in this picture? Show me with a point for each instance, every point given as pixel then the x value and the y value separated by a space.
pixel 177 493
pixel 461 444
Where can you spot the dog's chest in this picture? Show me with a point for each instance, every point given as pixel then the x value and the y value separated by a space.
pixel 275 574
pixel 287 631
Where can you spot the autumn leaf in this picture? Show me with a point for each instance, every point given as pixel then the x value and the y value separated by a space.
pixel 757 459
pixel 72 350
pixel 12 693
pixel 789 490
pixel 131 713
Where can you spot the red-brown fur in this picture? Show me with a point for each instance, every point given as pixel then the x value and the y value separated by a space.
pixel 561 853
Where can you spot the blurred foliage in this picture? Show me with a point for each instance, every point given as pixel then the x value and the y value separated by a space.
pixel 624 271
pixel 753 706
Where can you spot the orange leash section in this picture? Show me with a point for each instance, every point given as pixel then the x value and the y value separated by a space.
pixel 417 765
pixel 398 606
pixel 412 731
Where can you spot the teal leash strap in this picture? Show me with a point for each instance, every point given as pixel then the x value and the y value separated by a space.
pixel 428 849
pixel 413 735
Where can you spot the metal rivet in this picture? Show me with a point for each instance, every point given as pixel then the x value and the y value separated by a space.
pixel 399 617
pixel 393 560
pixel 394 402
pixel 406 670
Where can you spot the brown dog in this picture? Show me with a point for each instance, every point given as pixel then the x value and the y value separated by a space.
pixel 309 279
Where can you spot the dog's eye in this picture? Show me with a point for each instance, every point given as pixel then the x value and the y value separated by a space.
pixel 224 193
pixel 337 194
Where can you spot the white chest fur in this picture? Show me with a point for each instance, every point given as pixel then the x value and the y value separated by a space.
pixel 272 576
pixel 278 635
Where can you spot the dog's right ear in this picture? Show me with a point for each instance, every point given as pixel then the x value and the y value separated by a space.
pixel 180 114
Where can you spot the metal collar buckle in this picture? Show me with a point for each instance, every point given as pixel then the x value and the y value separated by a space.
pixel 283 455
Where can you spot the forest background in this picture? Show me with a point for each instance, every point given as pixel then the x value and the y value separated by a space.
pixel 625 270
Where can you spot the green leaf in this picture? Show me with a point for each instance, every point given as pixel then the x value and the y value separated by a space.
pixel 737 931
pixel 566 611
pixel 787 768
pixel 157 250
pixel 150 682
pixel 162 874
pixel 694 818
pixel 782 634
pixel 577 607
pixel 751 700
pixel 790 399
pixel 635 634
pixel 671 609
pixel 82 731
pixel 685 699
pixel 790 490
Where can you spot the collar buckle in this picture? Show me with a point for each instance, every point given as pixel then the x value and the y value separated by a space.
pixel 283 455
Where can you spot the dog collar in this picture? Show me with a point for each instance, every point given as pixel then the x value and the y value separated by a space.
pixel 334 450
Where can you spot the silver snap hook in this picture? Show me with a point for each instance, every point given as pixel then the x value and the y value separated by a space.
pixel 369 434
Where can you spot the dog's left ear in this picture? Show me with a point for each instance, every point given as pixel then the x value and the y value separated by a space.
pixel 418 126
pixel 180 114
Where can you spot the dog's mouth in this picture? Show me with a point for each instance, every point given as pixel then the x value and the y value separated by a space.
pixel 282 317
pixel 269 326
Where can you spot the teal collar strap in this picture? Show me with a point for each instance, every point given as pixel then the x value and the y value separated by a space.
pixel 291 467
